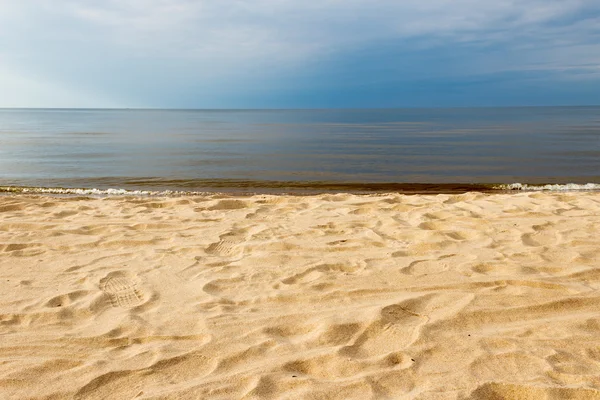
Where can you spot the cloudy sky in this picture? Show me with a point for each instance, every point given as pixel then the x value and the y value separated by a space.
pixel 304 54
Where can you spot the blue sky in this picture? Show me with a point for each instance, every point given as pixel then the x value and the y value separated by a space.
pixel 298 54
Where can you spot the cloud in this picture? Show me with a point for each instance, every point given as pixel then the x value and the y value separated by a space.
pixel 201 51
pixel 23 92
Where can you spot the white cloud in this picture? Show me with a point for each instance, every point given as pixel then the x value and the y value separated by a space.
pixel 240 29
pixel 220 41
pixel 18 91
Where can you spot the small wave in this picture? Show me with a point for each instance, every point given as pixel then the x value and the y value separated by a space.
pixel 241 187
pixel 245 188
pixel 551 187
pixel 94 192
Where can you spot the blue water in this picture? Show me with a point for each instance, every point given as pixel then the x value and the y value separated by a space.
pixel 191 149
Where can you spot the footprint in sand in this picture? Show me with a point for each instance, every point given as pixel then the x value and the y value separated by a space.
pixel 333 270
pixel 399 325
pixel 543 235
pixel 122 289
pixel 425 267
pixel 230 244
pixel 396 328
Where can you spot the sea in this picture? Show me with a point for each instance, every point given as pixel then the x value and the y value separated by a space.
pixel 162 152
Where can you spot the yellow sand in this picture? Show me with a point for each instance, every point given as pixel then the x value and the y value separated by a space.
pixel 474 296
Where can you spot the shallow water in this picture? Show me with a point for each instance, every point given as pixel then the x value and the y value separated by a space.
pixel 302 149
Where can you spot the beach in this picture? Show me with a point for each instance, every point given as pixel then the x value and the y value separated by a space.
pixel 332 296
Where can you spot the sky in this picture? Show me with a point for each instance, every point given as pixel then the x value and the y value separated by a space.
pixel 298 54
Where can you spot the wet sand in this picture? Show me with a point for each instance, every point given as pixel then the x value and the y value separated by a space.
pixel 335 296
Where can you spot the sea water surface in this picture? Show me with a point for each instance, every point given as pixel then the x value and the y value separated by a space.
pixel 314 150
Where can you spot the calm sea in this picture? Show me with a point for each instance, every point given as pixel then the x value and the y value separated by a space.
pixel 313 150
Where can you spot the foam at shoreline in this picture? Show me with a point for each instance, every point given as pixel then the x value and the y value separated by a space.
pixel 308 188
pixel 551 187
pixel 94 191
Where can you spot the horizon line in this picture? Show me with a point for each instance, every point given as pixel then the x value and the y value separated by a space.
pixel 288 109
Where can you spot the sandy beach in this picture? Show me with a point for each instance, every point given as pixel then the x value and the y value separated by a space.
pixel 472 296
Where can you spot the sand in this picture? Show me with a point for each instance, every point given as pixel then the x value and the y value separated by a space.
pixel 473 296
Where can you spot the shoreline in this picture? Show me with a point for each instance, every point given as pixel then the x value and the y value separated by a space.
pixel 301 188
pixel 338 296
